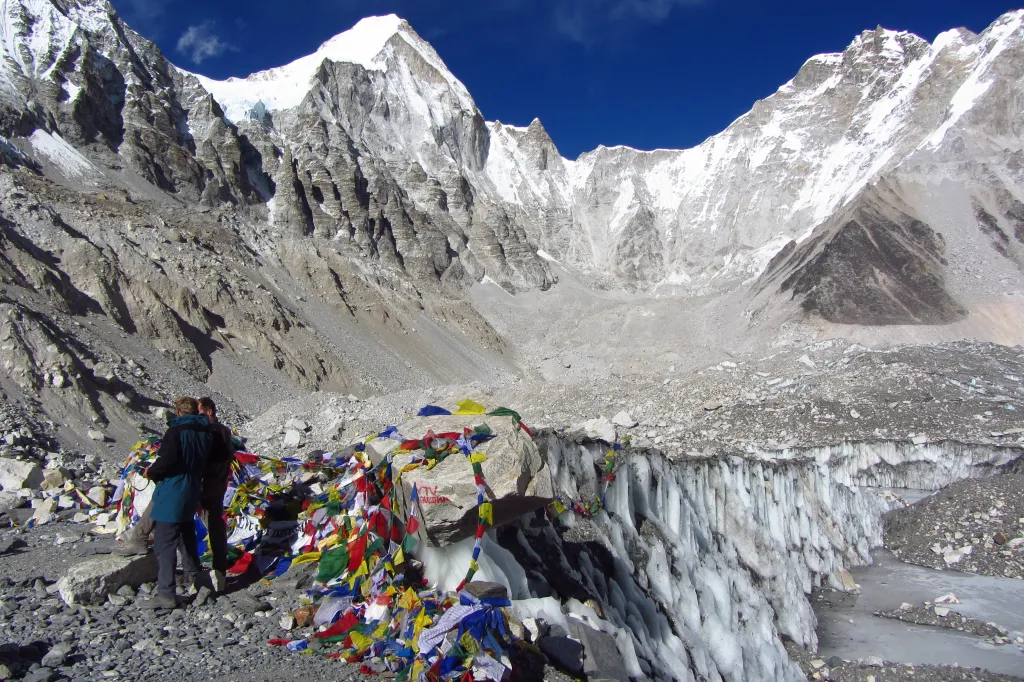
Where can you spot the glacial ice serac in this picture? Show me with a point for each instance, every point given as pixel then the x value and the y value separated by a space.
pixel 700 565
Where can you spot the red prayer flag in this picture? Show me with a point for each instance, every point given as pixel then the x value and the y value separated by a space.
pixel 340 627
pixel 356 550
pixel 242 565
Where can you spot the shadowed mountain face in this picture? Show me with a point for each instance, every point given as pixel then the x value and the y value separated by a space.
pixel 878 266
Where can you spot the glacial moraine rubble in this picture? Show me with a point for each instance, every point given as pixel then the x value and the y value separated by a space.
pixel 974 525
pixel 942 614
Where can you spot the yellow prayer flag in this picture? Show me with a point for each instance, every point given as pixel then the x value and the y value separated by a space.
pixel 328 542
pixel 558 507
pixel 306 558
pixel 399 556
pixel 360 641
pixel 477 458
pixel 422 621
pixel 487 513
pixel 408 600
pixel 469 644
pixel 363 569
pixel 470 407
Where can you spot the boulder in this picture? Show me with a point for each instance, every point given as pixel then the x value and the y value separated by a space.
pixel 846 581
pixel 624 419
pixel 45 511
pixel 485 590
pixel 598 429
pixel 296 424
pixel 9 501
pixel 564 653
pixel 98 495
pixel 528 663
pixel 52 478
pixel 11 543
pixel 15 474
pixel 56 656
pixel 602 661
pixel 97 435
pixel 517 477
pixel 90 581
pixel 292 438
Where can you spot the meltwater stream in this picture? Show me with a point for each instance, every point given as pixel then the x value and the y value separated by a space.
pixel 847 627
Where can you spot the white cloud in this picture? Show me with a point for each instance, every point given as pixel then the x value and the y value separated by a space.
pixel 199 42
pixel 586 21
pixel 143 9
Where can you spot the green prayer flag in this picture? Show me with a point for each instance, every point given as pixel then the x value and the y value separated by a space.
pixel 333 563
pixel 505 412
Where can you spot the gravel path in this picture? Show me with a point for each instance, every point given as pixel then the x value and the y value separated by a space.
pixel 974 525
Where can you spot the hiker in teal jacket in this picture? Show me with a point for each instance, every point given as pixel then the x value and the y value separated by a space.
pixel 178 470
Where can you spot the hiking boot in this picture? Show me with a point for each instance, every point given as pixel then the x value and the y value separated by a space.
pixel 131 548
pixel 159 601
pixel 219 581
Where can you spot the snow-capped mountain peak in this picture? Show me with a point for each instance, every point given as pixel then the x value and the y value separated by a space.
pixel 285 86
pixel 376 107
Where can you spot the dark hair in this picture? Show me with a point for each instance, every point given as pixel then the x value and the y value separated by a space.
pixel 185 405
pixel 207 405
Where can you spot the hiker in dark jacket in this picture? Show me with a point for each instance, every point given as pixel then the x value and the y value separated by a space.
pixel 211 499
pixel 178 469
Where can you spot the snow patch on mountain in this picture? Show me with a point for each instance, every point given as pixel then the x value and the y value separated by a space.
pixel 33 34
pixel 977 84
pixel 62 155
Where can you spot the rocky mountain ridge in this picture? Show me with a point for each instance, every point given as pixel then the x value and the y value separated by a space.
pixel 328 224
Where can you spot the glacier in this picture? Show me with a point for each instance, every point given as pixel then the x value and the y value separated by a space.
pixel 700 566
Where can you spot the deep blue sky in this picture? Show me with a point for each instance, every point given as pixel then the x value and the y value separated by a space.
pixel 644 73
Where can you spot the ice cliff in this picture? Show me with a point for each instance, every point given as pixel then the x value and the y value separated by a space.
pixel 701 566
